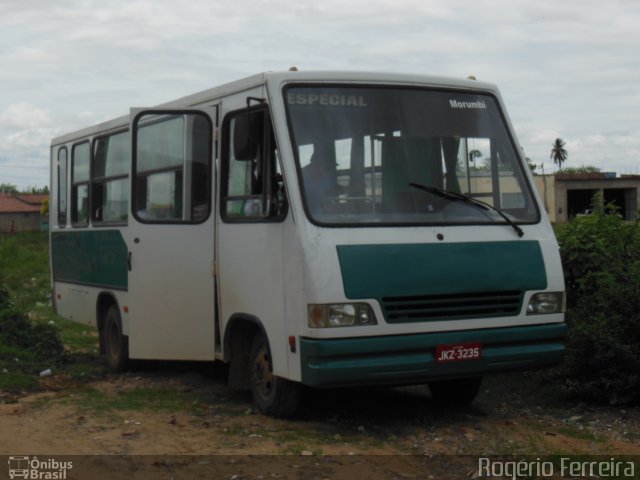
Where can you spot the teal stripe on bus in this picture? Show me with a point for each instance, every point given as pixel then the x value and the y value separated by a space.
pixel 90 257
pixel 404 270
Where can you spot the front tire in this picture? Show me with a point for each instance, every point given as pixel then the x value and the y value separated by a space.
pixel 116 344
pixel 459 392
pixel 272 395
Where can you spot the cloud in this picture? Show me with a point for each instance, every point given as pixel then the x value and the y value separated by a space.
pixel 23 115
pixel 616 152
pixel 31 139
pixel 612 151
pixel 565 69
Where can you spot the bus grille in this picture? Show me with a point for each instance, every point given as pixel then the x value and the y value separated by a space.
pixel 451 307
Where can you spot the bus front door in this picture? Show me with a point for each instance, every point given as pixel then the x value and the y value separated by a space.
pixel 170 235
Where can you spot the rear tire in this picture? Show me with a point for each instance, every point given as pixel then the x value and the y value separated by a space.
pixel 459 392
pixel 272 395
pixel 116 344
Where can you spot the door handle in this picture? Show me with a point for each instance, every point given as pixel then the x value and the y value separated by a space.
pixel 129 261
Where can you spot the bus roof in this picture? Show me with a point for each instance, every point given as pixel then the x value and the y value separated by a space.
pixel 275 80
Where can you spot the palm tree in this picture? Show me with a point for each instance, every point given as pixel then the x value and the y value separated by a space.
pixel 473 154
pixel 558 152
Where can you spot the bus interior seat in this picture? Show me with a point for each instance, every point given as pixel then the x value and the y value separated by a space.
pixel 408 160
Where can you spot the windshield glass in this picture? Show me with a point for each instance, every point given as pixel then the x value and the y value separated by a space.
pixel 358 149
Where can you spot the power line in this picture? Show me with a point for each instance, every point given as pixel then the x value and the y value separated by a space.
pixel 26 166
pixel 21 176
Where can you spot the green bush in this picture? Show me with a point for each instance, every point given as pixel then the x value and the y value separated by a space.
pixel 32 337
pixel 26 348
pixel 5 301
pixel 601 261
pixel 40 341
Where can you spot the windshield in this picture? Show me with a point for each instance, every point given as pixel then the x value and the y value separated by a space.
pixel 358 149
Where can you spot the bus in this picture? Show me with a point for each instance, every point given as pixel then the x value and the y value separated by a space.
pixel 311 229
pixel 18 467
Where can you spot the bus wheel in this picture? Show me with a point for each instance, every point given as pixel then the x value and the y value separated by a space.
pixel 458 392
pixel 272 395
pixel 116 345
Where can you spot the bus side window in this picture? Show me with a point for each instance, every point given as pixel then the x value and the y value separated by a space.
pixel 110 178
pixel 252 186
pixel 80 162
pixel 172 168
pixel 62 187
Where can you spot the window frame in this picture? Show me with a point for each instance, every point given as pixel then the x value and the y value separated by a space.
pixel 269 139
pixel 135 190
pixel 106 179
pixel 76 185
pixel 445 89
pixel 62 214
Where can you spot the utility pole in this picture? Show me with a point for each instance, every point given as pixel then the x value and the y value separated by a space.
pixel 544 183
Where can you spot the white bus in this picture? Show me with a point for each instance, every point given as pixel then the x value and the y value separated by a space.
pixel 325 229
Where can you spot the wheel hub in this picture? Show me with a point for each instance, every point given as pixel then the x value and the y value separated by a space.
pixel 263 376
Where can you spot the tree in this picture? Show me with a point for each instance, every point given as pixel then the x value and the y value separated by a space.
pixel 601 261
pixel 473 154
pixel 8 188
pixel 44 207
pixel 37 190
pixel 582 169
pixel 558 152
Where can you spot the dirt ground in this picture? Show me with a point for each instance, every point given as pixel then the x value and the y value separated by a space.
pixel 179 421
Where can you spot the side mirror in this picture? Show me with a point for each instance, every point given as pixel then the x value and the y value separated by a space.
pixel 247 133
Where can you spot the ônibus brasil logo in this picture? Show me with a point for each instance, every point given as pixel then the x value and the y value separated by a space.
pixel 33 468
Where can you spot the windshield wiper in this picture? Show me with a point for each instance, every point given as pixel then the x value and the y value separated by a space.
pixel 455 196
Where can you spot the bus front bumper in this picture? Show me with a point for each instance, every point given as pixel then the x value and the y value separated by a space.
pixel 410 359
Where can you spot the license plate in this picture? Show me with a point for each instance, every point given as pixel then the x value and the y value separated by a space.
pixel 459 352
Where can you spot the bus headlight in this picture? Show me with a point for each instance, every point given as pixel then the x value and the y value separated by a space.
pixel 340 315
pixel 546 302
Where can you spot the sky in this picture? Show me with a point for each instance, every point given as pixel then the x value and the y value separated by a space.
pixel 568 69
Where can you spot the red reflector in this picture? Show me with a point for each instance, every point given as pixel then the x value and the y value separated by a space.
pixel 292 344
pixel 125 309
